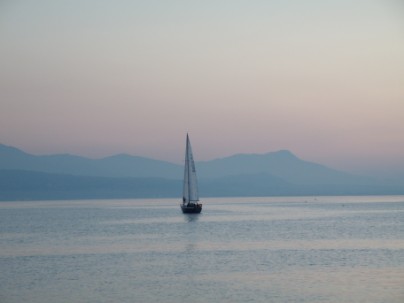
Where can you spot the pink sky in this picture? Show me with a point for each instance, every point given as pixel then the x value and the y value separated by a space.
pixel 324 80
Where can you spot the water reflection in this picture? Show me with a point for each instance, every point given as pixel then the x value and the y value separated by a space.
pixel 191 217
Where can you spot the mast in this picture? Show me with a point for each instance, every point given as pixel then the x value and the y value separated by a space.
pixel 189 166
pixel 185 194
pixel 187 159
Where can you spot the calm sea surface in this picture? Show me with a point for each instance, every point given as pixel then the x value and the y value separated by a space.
pixel 289 249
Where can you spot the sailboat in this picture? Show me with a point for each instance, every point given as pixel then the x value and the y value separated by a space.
pixel 190 195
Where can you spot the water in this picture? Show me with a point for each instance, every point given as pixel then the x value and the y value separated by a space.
pixel 296 249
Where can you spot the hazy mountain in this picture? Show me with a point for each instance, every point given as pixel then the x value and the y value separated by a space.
pixel 30 185
pixel 282 164
pixel 260 184
pixel 115 166
pixel 267 185
pixel 25 176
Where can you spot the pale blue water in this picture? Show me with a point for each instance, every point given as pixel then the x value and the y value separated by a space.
pixel 307 249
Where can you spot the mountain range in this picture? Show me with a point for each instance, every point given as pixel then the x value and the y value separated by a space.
pixel 25 176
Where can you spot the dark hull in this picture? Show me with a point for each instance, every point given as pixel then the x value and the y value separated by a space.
pixel 191 209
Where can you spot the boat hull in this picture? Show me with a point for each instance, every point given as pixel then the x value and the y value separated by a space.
pixel 191 209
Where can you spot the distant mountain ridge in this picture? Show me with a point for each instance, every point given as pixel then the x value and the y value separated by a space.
pixel 274 173
pixel 282 164
pixel 32 185
pixel 122 165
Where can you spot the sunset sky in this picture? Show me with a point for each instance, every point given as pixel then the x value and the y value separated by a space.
pixel 324 79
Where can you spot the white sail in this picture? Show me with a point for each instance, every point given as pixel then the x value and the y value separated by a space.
pixel 190 188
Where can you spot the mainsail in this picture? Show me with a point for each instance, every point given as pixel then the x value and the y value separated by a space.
pixel 190 188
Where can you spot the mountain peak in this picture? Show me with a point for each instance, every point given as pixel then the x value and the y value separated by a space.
pixel 284 153
pixel 6 149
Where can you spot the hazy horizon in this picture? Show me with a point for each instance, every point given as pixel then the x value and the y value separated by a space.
pixel 377 174
pixel 324 80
